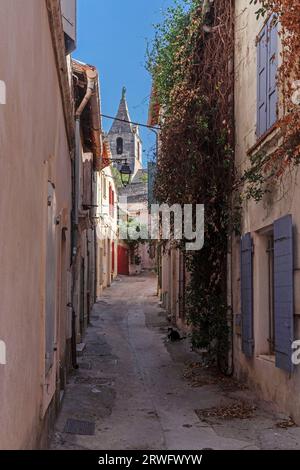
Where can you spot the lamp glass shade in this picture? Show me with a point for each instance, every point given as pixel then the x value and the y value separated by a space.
pixel 125 174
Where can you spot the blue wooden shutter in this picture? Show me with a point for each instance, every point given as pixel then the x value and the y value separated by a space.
pixel 262 51
pixel 247 294
pixel 284 292
pixel 272 95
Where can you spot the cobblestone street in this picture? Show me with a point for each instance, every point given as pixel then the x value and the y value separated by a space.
pixel 141 392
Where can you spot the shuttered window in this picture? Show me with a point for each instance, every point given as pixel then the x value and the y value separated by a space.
pixel 104 191
pixel 284 292
pixel 69 17
pixel 267 65
pixel 87 183
pixel 247 294
pixel 112 203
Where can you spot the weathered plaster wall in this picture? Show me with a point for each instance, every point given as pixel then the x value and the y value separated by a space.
pixel 107 231
pixel 275 384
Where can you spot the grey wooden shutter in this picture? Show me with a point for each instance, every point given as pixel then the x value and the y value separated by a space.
pixel 272 95
pixel 87 183
pixel 284 292
pixel 69 19
pixel 262 51
pixel 247 294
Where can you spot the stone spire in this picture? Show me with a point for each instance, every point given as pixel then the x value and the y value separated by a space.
pixel 124 138
pixel 119 127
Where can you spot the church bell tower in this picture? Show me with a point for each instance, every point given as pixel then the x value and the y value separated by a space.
pixel 124 138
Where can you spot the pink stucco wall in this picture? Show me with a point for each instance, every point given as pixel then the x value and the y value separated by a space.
pixel 33 149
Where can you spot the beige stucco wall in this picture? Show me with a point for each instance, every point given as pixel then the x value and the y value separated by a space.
pixel 33 149
pixel 275 385
pixel 139 211
pixel 107 231
pixel 148 263
pixel 84 294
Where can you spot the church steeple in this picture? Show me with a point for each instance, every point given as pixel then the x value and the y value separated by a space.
pixel 119 127
pixel 124 138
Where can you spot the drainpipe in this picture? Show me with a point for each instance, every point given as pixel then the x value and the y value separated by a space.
pixel 230 366
pixel 230 277
pixel 91 82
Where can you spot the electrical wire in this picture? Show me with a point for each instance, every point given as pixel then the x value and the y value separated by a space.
pixel 131 122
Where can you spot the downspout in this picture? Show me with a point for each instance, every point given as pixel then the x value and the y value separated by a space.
pixel 97 167
pixel 229 371
pixel 91 81
pixel 230 275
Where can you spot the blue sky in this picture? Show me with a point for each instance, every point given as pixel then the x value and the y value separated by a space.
pixel 113 35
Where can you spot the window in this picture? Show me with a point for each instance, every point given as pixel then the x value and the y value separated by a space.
pixel 264 293
pixel 110 199
pixel 112 203
pixel 273 266
pixel 119 146
pixel 267 64
pixel 104 191
pixel 68 9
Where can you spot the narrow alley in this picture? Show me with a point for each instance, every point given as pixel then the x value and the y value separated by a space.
pixel 132 389
pixel 149 231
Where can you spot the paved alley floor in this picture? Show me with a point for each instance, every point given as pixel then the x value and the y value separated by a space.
pixel 140 392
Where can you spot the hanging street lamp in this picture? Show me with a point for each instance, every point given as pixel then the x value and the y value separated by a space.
pixel 125 170
pixel 126 173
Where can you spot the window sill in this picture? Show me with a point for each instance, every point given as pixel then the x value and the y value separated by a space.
pixel 265 139
pixel 267 358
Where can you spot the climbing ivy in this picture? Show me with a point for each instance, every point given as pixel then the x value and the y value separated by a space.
pixel 192 67
pixel 117 177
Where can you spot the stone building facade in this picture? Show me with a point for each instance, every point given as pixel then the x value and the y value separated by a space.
pixel 135 199
pixel 124 138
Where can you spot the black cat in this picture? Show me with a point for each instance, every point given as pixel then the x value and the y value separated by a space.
pixel 173 335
